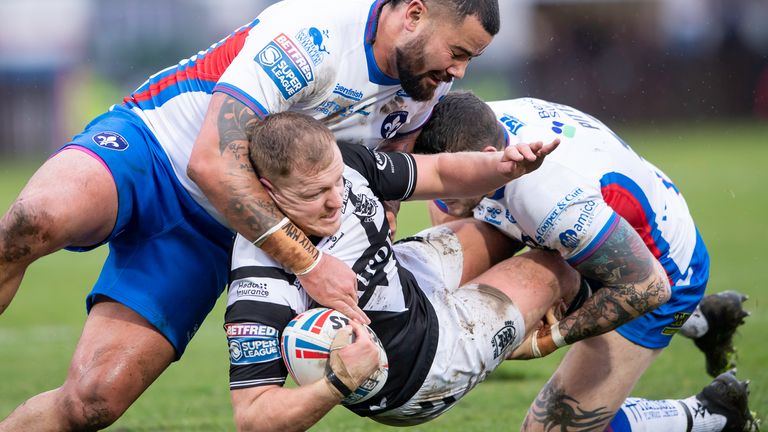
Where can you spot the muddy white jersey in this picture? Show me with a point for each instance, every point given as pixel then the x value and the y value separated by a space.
pixel 573 202
pixel 263 294
pixel 309 56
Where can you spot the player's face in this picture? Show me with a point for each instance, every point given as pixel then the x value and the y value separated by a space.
pixel 313 201
pixel 461 207
pixel 438 52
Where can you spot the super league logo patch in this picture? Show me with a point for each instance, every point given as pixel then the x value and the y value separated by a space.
pixel 110 140
pixel 286 65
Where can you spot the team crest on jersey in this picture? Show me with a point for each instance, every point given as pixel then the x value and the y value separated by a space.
pixel 394 121
pixel 365 207
pixel 345 196
pixel 512 123
pixel 110 140
pixel 313 42
pixel 569 239
pixel 286 65
pixel 252 343
pixel 503 339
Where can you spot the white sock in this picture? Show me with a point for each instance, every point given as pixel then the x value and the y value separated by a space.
pixel 643 415
pixel 696 326
pixel 703 420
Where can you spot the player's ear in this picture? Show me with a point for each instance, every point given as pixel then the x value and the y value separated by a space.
pixel 489 149
pixel 414 14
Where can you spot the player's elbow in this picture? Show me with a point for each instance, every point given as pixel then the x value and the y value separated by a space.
pixel 659 290
pixel 200 170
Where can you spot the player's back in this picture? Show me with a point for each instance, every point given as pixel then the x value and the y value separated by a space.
pixel 562 205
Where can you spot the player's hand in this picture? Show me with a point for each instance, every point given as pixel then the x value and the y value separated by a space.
pixel 333 284
pixel 522 158
pixel 354 355
pixel 538 344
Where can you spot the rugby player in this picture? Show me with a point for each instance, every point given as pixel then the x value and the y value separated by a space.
pixel 166 174
pixel 626 228
pixel 445 319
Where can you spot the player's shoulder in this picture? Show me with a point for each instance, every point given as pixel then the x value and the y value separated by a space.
pixel 336 19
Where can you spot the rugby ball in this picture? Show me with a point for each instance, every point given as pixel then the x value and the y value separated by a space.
pixel 306 350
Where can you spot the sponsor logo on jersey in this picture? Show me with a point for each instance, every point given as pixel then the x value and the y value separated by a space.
pixel 679 320
pixel 348 93
pixel 585 216
pixel 383 160
pixel 563 129
pixel 311 40
pixel 503 339
pixel 509 217
pixel 286 65
pixel 569 239
pixel 402 93
pixel 246 288
pixel 252 343
pixel 345 196
pixel 492 215
pixel 394 121
pixel 544 110
pixel 512 123
pixel 584 120
pixel 110 140
pixel 375 263
pixel 554 214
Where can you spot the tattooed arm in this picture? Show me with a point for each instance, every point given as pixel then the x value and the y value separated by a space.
pixel 220 166
pixel 634 283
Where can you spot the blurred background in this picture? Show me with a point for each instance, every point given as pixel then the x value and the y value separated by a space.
pixel 624 61
pixel 685 82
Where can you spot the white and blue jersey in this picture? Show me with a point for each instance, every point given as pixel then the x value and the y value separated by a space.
pixel 573 202
pixel 169 247
pixel 295 56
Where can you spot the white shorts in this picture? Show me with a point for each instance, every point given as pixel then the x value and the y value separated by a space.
pixel 479 327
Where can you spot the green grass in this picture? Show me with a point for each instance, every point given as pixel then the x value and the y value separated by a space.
pixel 721 169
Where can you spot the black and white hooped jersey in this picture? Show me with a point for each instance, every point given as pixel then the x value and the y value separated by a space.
pixel 263 297
pixel 297 55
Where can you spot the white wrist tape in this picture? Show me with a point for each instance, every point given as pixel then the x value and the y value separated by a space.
pixel 271 231
pixel 557 338
pixel 311 266
pixel 535 345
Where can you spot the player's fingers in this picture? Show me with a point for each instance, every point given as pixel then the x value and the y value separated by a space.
pixel 353 312
pixel 548 148
pixel 527 150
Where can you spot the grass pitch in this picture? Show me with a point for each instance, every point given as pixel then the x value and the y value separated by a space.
pixel 719 167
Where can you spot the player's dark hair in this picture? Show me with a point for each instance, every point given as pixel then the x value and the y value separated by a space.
pixel 460 122
pixel 487 11
pixel 284 141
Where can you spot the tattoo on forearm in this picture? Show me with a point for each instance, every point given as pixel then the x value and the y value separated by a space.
pixel 625 266
pixel 256 212
pixel 294 233
pixel 556 410
pixel 235 119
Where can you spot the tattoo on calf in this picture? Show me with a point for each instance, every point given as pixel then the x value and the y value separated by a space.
pixel 556 410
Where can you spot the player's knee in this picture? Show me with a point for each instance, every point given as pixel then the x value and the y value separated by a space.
pixel 24 232
pixel 92 405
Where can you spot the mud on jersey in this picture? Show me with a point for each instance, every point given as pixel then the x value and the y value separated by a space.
pixel 573 202
pixel 263 297
pixel 295 56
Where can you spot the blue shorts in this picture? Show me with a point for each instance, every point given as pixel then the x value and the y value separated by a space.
pixel 655 329
pixel 168 258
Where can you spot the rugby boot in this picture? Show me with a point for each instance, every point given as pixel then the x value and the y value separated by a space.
pixel 724 313
pixel 729 397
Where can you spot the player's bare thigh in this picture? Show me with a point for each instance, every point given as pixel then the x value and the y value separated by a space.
pixel 592 381
pixel 482 246
pixel 534 281
pixel 70 201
